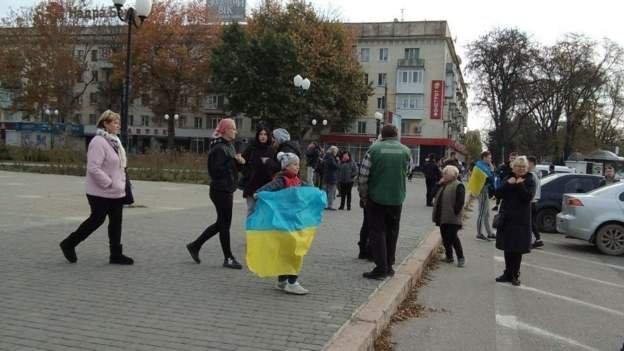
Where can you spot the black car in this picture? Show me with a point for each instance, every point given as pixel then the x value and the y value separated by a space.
pixel 553 188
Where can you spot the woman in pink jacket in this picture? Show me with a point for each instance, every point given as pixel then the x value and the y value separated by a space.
pixel 106 189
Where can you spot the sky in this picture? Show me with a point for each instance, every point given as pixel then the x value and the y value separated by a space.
pixel 544 20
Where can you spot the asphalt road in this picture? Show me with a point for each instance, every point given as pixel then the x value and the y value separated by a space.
pixel 571 298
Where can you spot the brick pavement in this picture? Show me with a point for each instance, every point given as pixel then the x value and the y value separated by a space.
pixel 165 301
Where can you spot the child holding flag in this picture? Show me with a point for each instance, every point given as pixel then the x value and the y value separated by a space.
pixel 281 229
pixel 481 179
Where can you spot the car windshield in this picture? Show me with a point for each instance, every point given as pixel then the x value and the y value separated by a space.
pixel 549 178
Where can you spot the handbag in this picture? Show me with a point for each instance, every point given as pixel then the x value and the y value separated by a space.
pixel 129 198
pixel 499 218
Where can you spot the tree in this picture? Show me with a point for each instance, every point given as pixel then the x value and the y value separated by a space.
pixel 255 67
pixel 498 63
pixel 39 56
pixel 473 143
pixel 171 55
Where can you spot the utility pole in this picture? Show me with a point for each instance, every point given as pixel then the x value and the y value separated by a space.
pixel 385 119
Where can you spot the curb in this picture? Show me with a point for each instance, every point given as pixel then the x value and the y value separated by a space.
pixel 367 323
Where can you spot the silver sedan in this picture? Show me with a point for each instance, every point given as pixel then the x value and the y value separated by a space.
pixel 597 217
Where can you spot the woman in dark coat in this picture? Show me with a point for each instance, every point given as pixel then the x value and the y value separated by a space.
pixel 257 171
pixel 514 233
pixel 347 172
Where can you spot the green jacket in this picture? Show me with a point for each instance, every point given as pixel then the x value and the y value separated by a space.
pixel 383 172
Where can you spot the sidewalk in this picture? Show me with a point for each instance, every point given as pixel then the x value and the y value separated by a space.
pixel 166 301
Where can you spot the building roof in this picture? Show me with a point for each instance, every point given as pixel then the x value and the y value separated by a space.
pixel 604 155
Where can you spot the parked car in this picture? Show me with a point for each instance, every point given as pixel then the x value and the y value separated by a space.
pixel 544 170
pixel 553 188
pixel 597 217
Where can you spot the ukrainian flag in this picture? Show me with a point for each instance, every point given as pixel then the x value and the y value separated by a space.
pixel 281 229
pixel 481 172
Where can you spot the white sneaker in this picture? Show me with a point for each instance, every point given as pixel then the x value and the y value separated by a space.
pixel 281 285
pixel 295 289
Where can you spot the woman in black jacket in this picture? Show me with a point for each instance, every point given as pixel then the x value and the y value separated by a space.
pixel 223 164
pixel 257 170
pixel 514 230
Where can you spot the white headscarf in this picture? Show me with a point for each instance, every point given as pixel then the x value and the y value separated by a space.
pixel 116 144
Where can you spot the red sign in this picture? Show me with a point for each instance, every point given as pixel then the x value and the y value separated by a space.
pixel 437 99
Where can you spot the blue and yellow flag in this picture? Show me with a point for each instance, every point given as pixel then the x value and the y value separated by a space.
pixel 481 172
pixel 281 229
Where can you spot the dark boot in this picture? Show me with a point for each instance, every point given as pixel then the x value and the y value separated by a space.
pixel 504 278
pixel 69 251
pixel 194 251
pixel 117 257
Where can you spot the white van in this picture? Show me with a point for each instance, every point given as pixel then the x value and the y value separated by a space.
pixel 543 170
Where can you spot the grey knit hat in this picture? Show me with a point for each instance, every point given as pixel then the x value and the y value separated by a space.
pixel 281 135
pixel 287 158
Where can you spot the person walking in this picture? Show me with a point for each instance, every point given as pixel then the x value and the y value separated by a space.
pixel 105 188
pixel 432 177
pixel 256 158
pixel 223 167
pixel 538 193
pixel 447 213
pixel 514 232
pixel 347 173
pixel 287 178
pixel 382 188
pixel 313 154
pixel 330 175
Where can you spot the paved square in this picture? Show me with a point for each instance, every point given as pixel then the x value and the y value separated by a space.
pixel 166 301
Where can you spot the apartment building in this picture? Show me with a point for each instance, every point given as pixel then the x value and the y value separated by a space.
pixel 413 67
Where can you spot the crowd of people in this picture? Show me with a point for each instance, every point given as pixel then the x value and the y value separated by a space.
pixel 272 163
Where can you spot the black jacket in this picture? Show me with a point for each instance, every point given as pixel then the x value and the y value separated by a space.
pixel 312 156
pixel 256 172
pixel 330 169
pixel 432 171
pixel 515 233
pixel 222 166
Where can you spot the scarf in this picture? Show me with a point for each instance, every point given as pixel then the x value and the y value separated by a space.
pixel 114 141
pixel 291 180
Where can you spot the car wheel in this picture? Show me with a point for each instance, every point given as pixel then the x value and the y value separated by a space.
pixel 610 239
pixel 547 220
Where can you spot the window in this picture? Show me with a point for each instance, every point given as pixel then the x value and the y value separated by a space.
pixel 131 120
pixel 145 120
pixel 411 53
pixel 199 123
pixel 182 121
pixel 383 54
pixel 409 77
pixel 107 75
pixel 417 76
pixel 212 123
pixel 80 54
pixel 381 79
pixel 239 123
pixel 94 76
pixel 78 118
pixel 364 54
pixel 212 102
pixel 94 55
pixel 93 98
pixel 410 102
pixel 80 77
pixel 366 78
pixel 381 103
pixel 105 53
pixel 92 119
pixel 184 100
pixel 361 127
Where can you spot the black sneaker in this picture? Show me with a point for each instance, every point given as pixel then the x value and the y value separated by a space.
pixel 68 252
pixel 515 281
pixel 482 237
pixel 194 252
pixel 375 275
pixel 504 278
pixel 232 263
pixel 449 260
pixel 537 244
pixel 492 236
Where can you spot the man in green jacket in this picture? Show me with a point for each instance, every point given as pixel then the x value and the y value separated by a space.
pixel 381 185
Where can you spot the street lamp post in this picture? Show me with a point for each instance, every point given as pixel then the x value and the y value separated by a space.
pixel 379 117
pixel 49 113
pixel 141 9
pixel 170 130
pixel 303 84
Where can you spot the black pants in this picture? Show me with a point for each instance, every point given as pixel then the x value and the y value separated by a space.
pixel 432 186
pixel 291 278
pixel 512 263
pixel 345 194
pixel 534 228
pixel 363 243
pixel 223 201
pixel 100 208
pixel 450 240
pixel 383 226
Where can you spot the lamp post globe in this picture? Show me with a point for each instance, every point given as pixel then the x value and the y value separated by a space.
pixel 305 84
pixel 324 122
pixel 298 80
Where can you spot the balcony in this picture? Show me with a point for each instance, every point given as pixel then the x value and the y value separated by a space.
pixel 411 62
